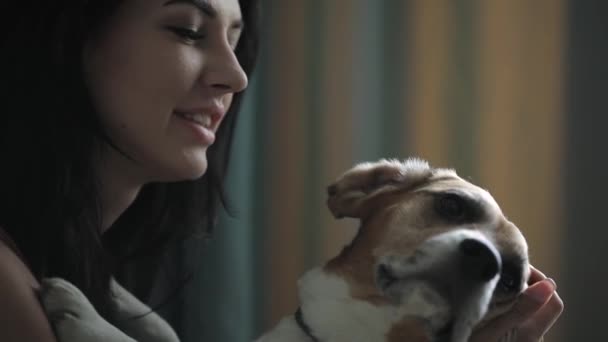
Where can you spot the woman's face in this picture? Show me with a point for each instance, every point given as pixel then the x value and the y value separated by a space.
pixel 162 74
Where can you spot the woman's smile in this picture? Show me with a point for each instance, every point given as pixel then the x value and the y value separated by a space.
pixel 202 122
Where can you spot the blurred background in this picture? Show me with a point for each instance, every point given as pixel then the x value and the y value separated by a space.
pixel 511 93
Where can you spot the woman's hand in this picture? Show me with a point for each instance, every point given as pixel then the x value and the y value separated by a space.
pixel 532 316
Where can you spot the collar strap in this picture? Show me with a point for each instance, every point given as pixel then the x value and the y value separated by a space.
pixel 303 326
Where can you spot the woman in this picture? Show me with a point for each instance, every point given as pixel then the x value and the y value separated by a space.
pixel 111 114
pixel 117 119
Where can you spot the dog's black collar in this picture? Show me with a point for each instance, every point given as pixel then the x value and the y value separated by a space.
pixel 305 328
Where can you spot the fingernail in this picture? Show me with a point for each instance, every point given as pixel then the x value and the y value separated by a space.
pixel 553 283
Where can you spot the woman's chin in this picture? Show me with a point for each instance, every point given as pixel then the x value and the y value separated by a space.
pixel 195 172
pixel 188 172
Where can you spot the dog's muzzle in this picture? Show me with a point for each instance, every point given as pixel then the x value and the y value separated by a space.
pixel 461 256
pixel 450 278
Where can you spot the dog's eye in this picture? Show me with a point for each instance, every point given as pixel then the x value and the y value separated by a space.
pixel 510 278
pixel 451 207
pixel 508 283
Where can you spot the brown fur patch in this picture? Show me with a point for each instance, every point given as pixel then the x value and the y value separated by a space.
pixel 410 330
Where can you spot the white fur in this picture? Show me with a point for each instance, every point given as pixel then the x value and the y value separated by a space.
pixel 333 315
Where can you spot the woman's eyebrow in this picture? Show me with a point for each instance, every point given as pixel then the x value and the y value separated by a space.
pixel 202 5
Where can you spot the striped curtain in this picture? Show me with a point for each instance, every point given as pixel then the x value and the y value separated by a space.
pixel 473 85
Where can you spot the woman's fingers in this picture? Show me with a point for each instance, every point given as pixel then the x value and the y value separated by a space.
pixel 535 275
pixel 524 310
pixel 538 325
pixel 529 303
pixel 543 320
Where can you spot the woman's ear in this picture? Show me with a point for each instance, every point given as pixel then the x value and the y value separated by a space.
pixel 350 194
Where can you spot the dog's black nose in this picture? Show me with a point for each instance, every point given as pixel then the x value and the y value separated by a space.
pixel 479 262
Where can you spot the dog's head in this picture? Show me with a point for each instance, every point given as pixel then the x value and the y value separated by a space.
pixel 433 246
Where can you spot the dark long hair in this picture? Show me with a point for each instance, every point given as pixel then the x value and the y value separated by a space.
pixel 49 133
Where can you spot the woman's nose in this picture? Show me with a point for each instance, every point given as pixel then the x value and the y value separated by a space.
pixel 224 72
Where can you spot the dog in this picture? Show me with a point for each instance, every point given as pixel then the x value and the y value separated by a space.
pixel 434 259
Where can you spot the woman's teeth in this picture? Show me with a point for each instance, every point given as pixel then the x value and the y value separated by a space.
pixel 201 119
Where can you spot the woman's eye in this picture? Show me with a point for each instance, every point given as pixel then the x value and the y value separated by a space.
pixel 187 34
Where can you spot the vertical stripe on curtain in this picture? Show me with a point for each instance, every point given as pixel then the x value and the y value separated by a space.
pixel 583 286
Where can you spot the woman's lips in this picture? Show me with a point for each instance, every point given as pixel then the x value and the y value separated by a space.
pixel 201 119
pixel 199 124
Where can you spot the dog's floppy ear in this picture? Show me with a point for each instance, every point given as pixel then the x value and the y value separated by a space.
pixel 349 194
